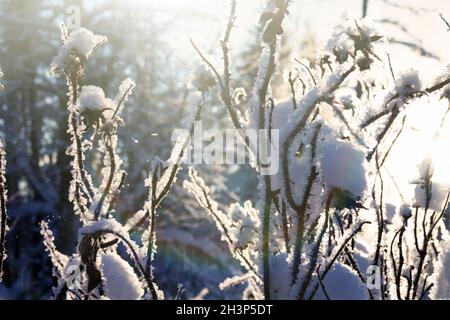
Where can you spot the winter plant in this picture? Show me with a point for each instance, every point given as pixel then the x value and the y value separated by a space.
pixel 322 222
pixel 108 263
pixel 326 225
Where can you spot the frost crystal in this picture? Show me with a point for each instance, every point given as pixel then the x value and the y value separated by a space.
pixel 59 260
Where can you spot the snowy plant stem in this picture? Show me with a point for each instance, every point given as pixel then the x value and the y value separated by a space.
pixel 122 100
pixel 226 232
pixel 284 220
pixel 3 201
pixel 111 155
pixel 226 58
pixel 297 129
pixel 115 196
pixel 394 114
pixel 301 210
pixel 321 283
pixel 292 87
pixel 398 269
pixel 266 240
pixel 336 256
pixel 58 264
pixel 225 91
pixel 266 182
pixel 316 250
pixel 173 173
pixel 354 265
pixel 79 149
pixel 152 235
pixel 379 212
pixel 175 168
pixel 226 98
pixel 424 250
pixel 393 141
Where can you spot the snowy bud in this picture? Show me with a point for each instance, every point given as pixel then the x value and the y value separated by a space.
pixel 405 212
pixel 78 45
pixel 343 166
pixel 202 79
pixel 93 98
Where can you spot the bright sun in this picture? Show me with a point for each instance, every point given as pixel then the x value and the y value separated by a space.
pixel 425 136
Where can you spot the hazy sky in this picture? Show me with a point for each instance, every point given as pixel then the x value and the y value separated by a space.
pixel 203 20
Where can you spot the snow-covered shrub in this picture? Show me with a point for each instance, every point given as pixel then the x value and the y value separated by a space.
pixel 323 219
pixel 107 263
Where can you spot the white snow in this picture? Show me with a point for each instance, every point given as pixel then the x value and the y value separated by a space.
pixel 81 42
pixel 342 283
pixel 439 194
pixel 439 191
pixel 93 98
pixel 343 166
pixel 245 224
pixel 281 113
pixel 121 282
pixel 441 276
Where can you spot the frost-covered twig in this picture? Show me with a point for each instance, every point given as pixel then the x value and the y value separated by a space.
pixel 301 210
pixel 337 253
pixel 385 111
pixel 423 251
pixel 306 282
pixel 96 260
pixel 3 201
pixel 58 259
pixel 445 21
pixel 197 187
